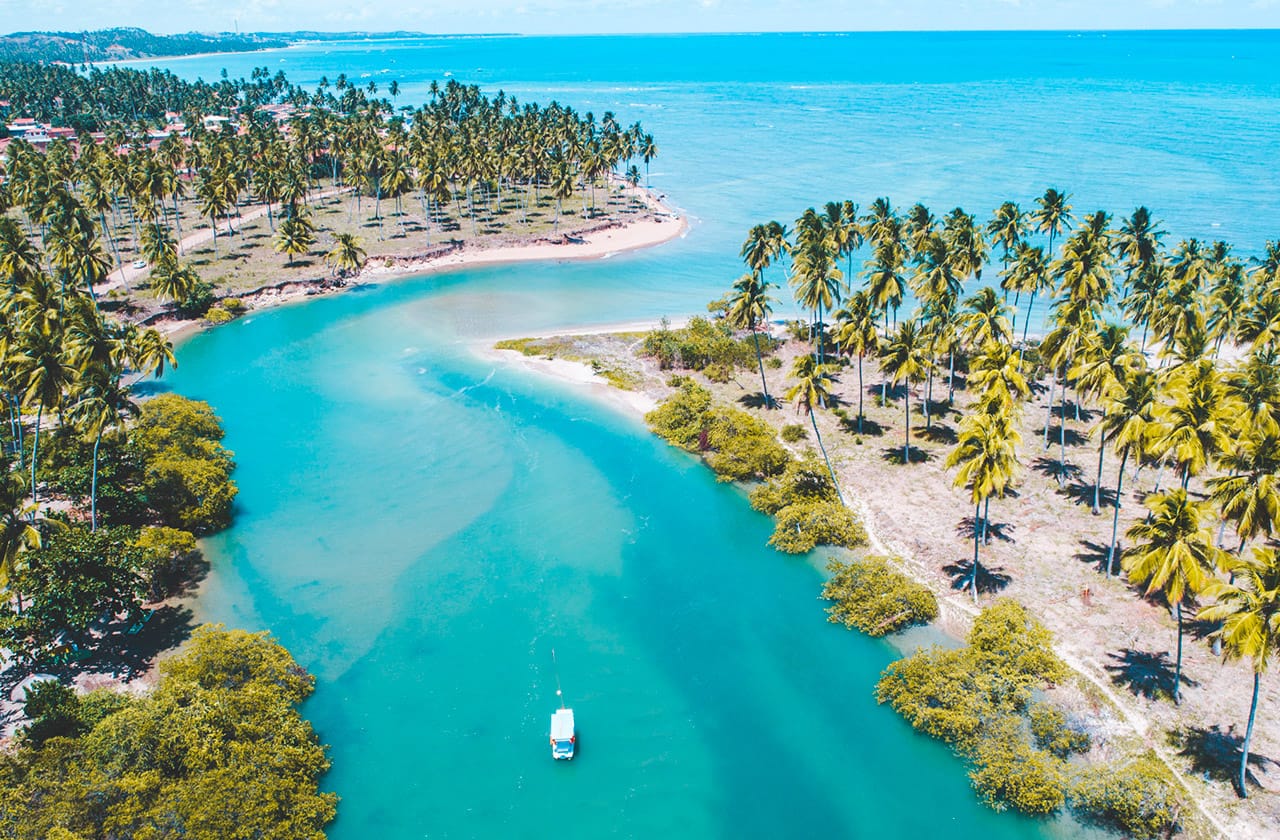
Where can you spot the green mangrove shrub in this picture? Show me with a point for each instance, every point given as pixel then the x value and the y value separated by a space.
pixel 702 344
pixel 875 598
pixel 803 526
pixel 736 445
pixel 1137 797
pixel 1051 731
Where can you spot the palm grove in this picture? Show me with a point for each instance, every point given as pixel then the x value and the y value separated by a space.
pixel 462 157
pixel 1174 350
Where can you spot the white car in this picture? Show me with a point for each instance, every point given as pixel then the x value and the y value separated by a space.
pixel 139 263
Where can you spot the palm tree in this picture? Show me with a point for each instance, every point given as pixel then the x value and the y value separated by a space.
pixel 749 307
pixel 346 255
pixel 295 236
pixel 858 336
pixel 1249 609
pixel 102 406
pixel 44 372
pixel 1249 496
pixel 1098 371
pixel 812 389
pixel 174 281
pixel 1007 227
pixel 904 360
pixel 987 457
pixel 1053 216
pixel 995 374
pixel 18 526
pixel 1196 419
pixel 1173 554
pixel 985 320
pixel 1029 275
pixel 1128 421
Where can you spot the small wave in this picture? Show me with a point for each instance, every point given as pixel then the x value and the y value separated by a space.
pixel 479 384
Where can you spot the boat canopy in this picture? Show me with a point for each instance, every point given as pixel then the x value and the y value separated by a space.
pixel 562 725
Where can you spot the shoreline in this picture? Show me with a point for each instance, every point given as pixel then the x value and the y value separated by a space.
pixel 955 612
pixel 602 242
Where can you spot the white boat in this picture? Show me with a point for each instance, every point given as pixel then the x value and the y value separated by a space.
pixel 564 738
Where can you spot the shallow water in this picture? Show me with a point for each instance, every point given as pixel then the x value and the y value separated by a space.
pixel 422 529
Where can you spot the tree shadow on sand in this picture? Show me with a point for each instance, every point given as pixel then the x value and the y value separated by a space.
pixel 1215 753
pixel 757 400
pixel 1082 494
pixel 990 579
pixel 870 428
pixel 894 455
pixel 1095 554
pixel 939 433
pixel 1002 531
pixel 1055 469
pixel 1145 674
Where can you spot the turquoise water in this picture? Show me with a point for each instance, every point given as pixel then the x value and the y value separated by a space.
pixel 421 529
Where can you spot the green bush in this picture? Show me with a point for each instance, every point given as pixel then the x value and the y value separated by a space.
pixel 1138 798
pixel 701 344
pixel 1051 732
pixel 186 469
pixel 794 433
pixel 196 304
pixel 876 598
pixel 804 480
pixel 773 363
pixel 217 315
pixel 1010 773
pixel 234 305
pixel 735 444
pixel 164 554
pixel 802 526
pixel 948 694
pixel 718 372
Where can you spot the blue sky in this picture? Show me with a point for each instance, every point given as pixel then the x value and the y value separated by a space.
pixel 575 16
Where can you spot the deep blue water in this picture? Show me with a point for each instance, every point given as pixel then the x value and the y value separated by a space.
pixel 421 529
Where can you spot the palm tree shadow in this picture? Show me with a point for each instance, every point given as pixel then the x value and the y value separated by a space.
pixel 1215 753
pixel 1002 531
pixel 893 455
pixel 870 428
pixel 1053 468
pixel 990 579
pixel 1082 494
pixel 1096 554
pixel 939 433
pixel 1070 437
pixel 1144 674
pixel 757 400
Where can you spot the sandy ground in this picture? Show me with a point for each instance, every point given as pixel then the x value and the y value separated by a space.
pixel 1045 554
pixel 606 240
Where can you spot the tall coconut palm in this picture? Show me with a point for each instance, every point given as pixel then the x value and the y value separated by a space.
pixel 995 374
pixel 858 335
pixel 1173 554
pixel 44 373
pixel 1128 422
pixel 1052 215
pixel 812 389
pixel 1098 372
pixel 102 405
pixel 985 320
pixel 174 281
pixel 1138 242
pixel 904 358
pixel 1249 609
pixel 1007 227
pixel 1029 276
pixel 19 531
pixel 986 454
pixel 1249 495
pixel 1196 419
pixel 749 307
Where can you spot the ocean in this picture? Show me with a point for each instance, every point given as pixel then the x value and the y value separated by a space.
pixel 421 528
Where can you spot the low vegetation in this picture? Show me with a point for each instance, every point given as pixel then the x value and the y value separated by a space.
pixel 736 445
pixel 710 347
pixel 218 749
pixel 872 596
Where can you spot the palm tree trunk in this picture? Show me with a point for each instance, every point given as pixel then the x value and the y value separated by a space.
pixel 906 404
pixel 951 376
pixel 760 361
pixel 973 577
pixel 818 437
pixel 93 486
pixel 986 521
pixel 35 451
pixel 1062 435
pixel 1115 520
pixel 1097 485
pixel 860 388
pixel 1177 671
pixel 1049 411
pixel 1026 323
pixel 1248 735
